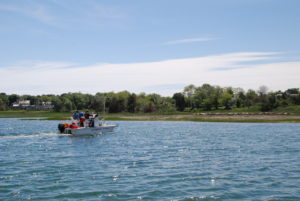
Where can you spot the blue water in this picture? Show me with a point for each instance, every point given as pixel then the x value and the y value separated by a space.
pixel 151 161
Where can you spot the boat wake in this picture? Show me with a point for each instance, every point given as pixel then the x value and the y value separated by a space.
pixel 32 136
pixel 49 135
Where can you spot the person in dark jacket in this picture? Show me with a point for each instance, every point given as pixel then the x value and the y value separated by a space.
pixel 87 115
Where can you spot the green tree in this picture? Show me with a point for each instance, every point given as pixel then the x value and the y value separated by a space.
pixel 2 105
pixel 97 103
pixel 226 100
pixel 216 97
pixel 58 104
pixel 156 102
pixel 149 107
pixel 168 104
pixel 296 99
pixel 68 105
pixel 189 93
pixel 251 97
pixel 117 101
pixel 142 102
pixel 293 91
pixel 4 99
pixel 13 98
pixel 132 103
pixel 179 101
pixel 207 104
pixel 240 99
pixel 268 103
pixel 78 100
pixel 206 91
pixel 189 90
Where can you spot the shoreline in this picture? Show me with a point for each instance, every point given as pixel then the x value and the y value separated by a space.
pixel 196 117
pixel 252 118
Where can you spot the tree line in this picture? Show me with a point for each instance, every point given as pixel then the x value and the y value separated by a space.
pixel 191 99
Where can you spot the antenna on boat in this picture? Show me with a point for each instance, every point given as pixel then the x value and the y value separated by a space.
pixel 104 100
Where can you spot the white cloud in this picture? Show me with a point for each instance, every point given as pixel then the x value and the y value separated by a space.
pixel 189 40
pixel 32 10
pixel 39 65
pixel 223 70
pixel 61 14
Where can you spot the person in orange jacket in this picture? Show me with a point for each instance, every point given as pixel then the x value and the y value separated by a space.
pixel 73 125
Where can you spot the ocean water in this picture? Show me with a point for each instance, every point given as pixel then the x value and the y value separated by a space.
pixel 151 161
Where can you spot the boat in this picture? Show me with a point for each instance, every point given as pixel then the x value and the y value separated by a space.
pixel 101 128
pixel 85 127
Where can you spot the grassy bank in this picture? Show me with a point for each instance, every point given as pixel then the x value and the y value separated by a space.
pixel 35 114
pixel 232 116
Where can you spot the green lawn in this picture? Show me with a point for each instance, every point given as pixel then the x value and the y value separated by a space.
pixel 33 114
pixel 293 109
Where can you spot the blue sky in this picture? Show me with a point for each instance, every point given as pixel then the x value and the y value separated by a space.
pixel 55 35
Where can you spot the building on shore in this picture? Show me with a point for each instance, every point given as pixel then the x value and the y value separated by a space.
pixel 25 105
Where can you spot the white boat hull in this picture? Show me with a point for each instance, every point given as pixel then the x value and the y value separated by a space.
pixel 81 131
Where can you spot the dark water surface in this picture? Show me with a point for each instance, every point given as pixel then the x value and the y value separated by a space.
pixel 151 161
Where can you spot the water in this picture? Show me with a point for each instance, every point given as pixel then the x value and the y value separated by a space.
pixel 151 161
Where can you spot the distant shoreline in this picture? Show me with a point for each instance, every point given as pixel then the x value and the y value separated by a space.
pixel 197 117
pixel 255 118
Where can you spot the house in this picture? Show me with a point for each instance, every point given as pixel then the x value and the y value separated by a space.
pixel 25 104
pixel 44 106
pixel 21 104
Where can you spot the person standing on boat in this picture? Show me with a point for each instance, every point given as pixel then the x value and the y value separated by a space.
pixel 76 115
pixel 81 114
pixel 91 119
pixel 87 115
pixel 81 121
pixel 96 121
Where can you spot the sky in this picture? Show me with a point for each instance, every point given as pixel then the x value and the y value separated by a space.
pixel 152 46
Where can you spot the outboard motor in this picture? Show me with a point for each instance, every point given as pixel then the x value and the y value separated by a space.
pixel 61 128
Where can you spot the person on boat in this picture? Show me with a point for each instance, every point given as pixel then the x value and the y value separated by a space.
pixel 66 125
pixel 73 125
pixel 87 115
pixel 96 121
pixel 76 115
pixel 81 114
pixel 91 122
pixel 81 121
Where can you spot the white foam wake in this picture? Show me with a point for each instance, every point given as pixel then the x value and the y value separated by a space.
pixel 32 136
